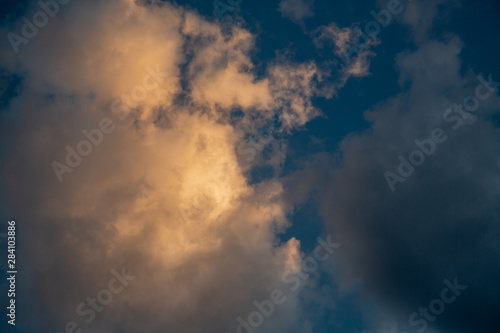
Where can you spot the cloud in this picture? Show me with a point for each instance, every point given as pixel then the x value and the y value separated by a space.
pixel 120 206
pixel 351 46
pixel 294 85
pixel 421 15
pixel 297 10
pixel 442 222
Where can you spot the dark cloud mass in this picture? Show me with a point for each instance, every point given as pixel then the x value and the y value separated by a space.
pixel 443 221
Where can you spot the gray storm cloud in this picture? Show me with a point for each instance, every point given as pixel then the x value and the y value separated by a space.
pixel 442 220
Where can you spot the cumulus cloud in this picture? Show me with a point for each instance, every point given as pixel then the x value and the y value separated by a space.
pixel 121 206
pixel 442 221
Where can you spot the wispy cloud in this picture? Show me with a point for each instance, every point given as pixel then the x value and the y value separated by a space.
pixel 297 10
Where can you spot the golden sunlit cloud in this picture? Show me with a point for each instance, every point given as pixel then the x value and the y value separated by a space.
pixel 170 152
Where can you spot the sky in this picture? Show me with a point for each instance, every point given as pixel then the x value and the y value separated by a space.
pixel 236 166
